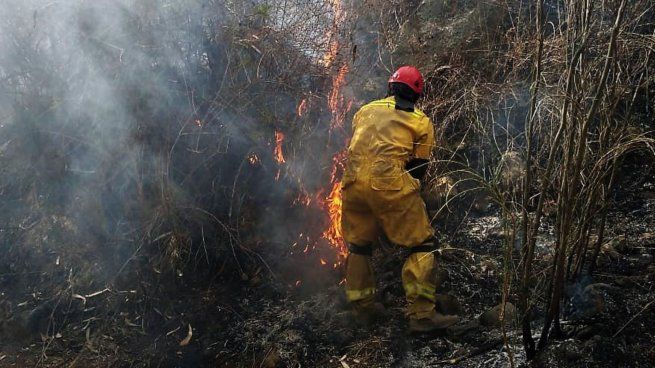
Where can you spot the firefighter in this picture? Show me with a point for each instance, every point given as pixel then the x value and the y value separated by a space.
pixel 388 155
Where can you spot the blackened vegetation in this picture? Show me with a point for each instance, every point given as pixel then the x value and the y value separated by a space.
pixel 128 131
pixel 137 123
pixel 138 193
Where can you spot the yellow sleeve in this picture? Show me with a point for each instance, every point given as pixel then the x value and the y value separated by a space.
pixel 355 120
pixel 425 143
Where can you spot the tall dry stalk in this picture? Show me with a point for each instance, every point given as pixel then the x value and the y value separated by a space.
pixel 570 182
pixel 525 271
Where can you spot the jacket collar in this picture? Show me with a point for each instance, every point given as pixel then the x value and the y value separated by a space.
pixel 402 104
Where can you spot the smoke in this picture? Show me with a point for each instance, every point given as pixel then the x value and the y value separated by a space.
pixel 108 125
pixel 126 129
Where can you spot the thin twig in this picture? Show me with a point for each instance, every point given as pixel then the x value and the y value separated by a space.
pixel 633 317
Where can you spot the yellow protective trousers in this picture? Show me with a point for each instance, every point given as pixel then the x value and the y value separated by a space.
pixel 402 216
pixel 380 195
pixel 416 276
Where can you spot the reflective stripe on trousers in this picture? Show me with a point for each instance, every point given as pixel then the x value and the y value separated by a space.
pixel 417 288
pixel 418 283
pixel 360 282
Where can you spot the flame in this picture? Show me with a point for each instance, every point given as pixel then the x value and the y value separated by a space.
pixel 332 203
pixel 277 153
pixel 333 234
pixel 332 35
pixel 303 199
pixel 254 159
pixel 336 99
pixel 302 107
pixel 329 198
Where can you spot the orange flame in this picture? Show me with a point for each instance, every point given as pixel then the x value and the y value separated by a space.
pixel 277 153
pixel 328 199
pixel 302 107
pixel 336 99
pixel 333 204
pixel 253 158
pixel 303 199
pixel 332 34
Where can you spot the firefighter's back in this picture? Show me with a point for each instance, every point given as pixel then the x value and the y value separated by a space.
pixel 382 132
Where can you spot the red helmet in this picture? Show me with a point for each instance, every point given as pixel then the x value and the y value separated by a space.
pixel 409 76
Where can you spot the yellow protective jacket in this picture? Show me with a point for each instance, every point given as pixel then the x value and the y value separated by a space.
pixel 377 190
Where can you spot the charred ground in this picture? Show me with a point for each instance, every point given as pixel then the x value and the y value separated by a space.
pixel 266 320
pixel 168 170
